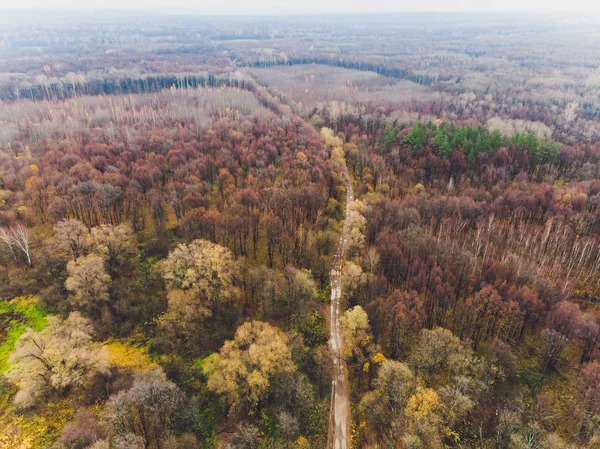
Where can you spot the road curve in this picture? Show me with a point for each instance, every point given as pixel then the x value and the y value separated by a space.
pixel 339 415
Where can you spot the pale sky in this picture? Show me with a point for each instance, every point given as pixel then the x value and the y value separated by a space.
pixel 307 6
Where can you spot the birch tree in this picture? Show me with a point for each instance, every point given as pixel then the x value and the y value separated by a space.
pixel 18 241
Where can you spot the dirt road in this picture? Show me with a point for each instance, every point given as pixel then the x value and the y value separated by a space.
pixel 339 417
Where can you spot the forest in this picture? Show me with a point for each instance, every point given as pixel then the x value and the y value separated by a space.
pixel 214 229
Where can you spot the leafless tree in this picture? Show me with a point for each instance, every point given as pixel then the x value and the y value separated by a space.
pixel 18 240
pixel 570 112
pixel 22 238
pixel 371 259
pixel 57 359
pixel 6 237
pixel 71 237
pixel 246 437
pixel 553 347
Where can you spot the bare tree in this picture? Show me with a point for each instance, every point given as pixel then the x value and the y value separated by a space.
pixel 246 437
pixel 554 344
pixel 150 410
pixel 18 240
pixel 88 282
pixel 371 259
pixel 71 237
pixel 22 238
pixel 6 237
pixel 570 112
pixel 58 359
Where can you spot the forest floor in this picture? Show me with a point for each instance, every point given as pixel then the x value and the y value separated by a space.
pixel 339 418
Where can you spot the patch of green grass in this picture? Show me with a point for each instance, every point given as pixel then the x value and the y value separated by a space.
pixel 23 313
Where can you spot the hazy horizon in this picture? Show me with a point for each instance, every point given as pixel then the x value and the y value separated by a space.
pixel 272 7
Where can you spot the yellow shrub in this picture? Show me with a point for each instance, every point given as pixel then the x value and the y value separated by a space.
pixel 302 443
pixel 126 356
pixel 378 358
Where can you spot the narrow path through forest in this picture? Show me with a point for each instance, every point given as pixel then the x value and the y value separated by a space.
pixel 339 417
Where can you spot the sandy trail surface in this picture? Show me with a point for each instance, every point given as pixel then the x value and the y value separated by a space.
pixel 339 418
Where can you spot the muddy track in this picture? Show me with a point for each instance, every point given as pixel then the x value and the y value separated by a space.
pixel 339 415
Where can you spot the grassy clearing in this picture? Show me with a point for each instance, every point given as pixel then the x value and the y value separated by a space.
pixel 16 316
pixel 126 356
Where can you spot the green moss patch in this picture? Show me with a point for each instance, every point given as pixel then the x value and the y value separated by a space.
pixel 16 316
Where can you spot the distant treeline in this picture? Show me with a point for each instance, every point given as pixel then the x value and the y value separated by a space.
pixel 63 88
pixel 392 72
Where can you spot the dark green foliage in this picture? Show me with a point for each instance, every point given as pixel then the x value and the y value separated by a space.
pixel 531 377
pixel 312 327
pixel 474 141
pixel 388 135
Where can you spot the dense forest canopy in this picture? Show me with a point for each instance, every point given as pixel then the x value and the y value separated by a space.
pixel 195 212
